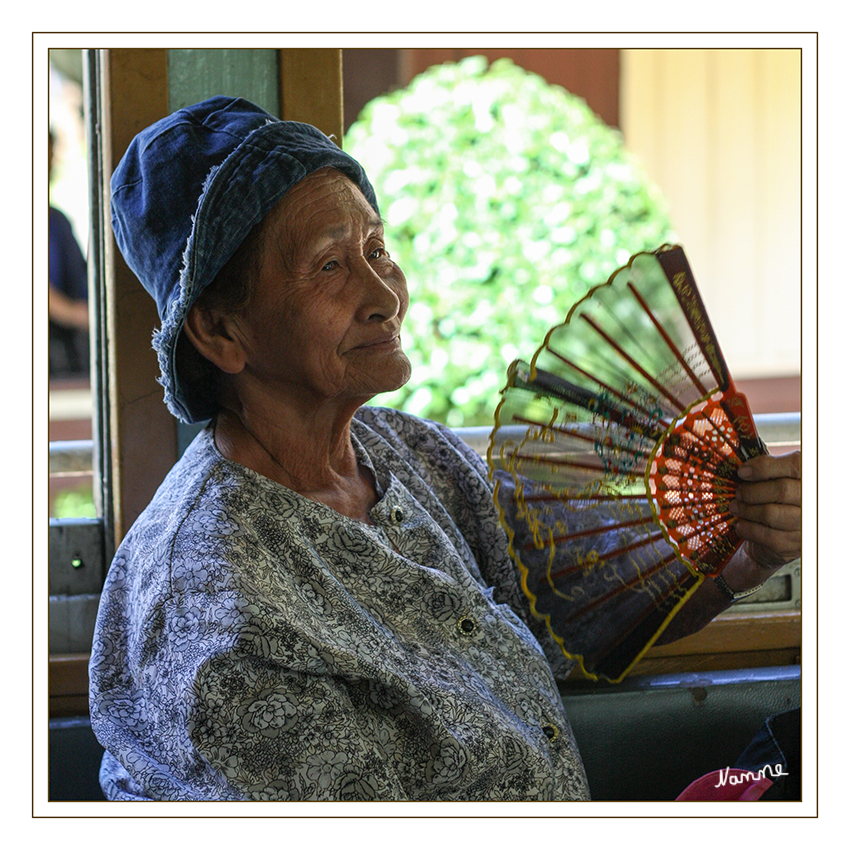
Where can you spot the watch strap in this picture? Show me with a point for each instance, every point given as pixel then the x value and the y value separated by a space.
pixel 730 594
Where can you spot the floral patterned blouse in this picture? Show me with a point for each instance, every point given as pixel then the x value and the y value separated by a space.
pixel 253 644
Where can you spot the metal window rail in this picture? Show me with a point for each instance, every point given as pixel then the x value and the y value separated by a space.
pixel 74 457
pixel 776 429
pixel 71 457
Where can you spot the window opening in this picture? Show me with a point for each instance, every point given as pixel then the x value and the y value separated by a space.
pixel 71 492
pixel 80 513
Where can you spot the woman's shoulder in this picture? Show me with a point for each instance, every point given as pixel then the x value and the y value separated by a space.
pixel 407 434
pixel 419 450
pixel 185 481
pixel 194 496
pixel 395 421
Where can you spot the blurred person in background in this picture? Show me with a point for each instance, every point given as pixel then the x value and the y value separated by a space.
pixel 67 294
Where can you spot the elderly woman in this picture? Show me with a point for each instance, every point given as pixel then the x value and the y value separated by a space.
pixel 318 603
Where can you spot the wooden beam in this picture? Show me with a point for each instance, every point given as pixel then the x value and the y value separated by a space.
pixel 143 432
pixel 737 631
pixel 68 684
pixel 733 640
pixel 311 88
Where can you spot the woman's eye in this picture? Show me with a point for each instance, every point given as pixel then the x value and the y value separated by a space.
pixel 378 253
pixel 330 266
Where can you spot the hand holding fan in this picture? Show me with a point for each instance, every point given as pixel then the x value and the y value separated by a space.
pixel 614 456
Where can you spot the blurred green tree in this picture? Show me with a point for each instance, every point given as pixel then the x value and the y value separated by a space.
pixel 506 199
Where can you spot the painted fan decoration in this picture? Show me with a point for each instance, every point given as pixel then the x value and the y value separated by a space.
pixel 614 456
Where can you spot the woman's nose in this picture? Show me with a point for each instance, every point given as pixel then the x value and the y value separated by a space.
pixel 380 302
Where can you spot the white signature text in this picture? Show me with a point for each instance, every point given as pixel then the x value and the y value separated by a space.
pixel 748 776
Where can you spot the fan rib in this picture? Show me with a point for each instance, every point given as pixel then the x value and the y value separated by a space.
pixel 588 438
pixel 694 487
pixel 711 465
pixel 626 585
pixel 660 601
pixel 589 532
pixel 557 462
pixel 652 538
pixel 703 390
pixel 567 499
pixel 675 265
pixel 735 447
pixel 560 429
pixel 701 523
pixel 633 363
pixel 625 399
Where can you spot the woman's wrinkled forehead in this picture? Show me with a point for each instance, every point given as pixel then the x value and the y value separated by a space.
pixel 323 208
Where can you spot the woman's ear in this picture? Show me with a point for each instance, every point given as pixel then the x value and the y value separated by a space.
pixel 214 336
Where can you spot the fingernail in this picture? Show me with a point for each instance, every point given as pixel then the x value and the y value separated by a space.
pixel 734 509
pixel 745 472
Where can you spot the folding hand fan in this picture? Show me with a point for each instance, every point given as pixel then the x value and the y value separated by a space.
pixel 614 456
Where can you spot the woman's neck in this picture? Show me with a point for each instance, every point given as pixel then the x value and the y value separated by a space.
pixel 314 458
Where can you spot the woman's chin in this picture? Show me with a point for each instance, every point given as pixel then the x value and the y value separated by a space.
pixel 391 375
pixel 395 379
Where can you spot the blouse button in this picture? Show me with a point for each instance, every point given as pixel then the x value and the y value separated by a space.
pixel 397 515
pixel 467 626
pixel 551 732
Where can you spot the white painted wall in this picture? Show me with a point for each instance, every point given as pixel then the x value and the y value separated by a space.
pixel 719 131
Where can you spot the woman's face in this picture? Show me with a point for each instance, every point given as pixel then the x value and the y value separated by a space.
pixel 325 315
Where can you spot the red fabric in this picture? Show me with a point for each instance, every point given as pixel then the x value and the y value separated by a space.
pixel 729 785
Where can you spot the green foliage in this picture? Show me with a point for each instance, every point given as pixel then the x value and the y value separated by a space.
pixel 506 199
pixel 72 504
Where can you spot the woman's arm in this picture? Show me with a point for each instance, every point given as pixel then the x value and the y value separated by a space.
pixel 66 311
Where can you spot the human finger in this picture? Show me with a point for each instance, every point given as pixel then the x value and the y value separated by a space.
pixel 774 491
pixel 768 546
pixel 766 467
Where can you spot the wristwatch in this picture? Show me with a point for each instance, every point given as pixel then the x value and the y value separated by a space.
pixel 730 594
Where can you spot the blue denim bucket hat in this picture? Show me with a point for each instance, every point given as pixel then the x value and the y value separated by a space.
pixel 185 195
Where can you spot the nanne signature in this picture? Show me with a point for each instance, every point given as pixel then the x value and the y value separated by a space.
pixel 748 776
